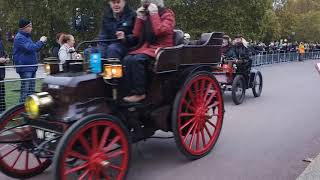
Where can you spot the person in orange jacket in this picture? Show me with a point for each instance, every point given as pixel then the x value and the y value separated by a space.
pixel 301 51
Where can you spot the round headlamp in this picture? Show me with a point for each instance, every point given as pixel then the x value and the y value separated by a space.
pixel 37 103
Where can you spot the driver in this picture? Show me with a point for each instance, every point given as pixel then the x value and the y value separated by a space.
pixel 117 23
pixel 240 51
pixel 154 27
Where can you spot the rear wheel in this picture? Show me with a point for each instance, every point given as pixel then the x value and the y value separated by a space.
pixel 257 84
pixel 238 89
pixel 96 147
pixel 197 115
pixel 16 160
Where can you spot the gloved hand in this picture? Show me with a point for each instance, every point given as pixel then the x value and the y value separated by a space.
pixel 43 39
pixel 153 9
pixel 141 13
pixel 120 35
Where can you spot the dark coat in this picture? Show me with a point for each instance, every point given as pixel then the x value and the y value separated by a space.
pixel 55 50
pixel 162 27
pixel 110 25
pixel 239 52
pixel 25 52
pixel 2 55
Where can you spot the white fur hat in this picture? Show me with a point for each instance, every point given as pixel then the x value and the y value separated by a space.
pixel 159 3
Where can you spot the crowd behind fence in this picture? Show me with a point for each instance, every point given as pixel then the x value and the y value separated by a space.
pixel 10 87
pixel 266 58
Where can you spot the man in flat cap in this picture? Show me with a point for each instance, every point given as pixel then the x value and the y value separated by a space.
pixel 25 53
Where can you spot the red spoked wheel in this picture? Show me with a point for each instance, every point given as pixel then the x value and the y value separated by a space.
pixel 16 159
pixel 198 115
pixel 96 147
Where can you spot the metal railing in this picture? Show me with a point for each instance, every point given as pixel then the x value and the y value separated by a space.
pixel 13 87
pixel 267 58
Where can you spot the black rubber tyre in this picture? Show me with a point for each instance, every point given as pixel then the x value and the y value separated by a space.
pixel 238 89
pixel 257 84
pixel 197 115
pixel 96 141
pixel 33 166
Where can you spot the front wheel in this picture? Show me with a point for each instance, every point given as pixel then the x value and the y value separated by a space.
pixel 16 158
pixel 197 115
pixel 257 84
pixel 96 147
pixel 238 89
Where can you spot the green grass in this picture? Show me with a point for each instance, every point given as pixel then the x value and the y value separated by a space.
pixel 13 92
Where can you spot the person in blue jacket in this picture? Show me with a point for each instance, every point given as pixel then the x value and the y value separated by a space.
pixel 25 57
pixel 117 23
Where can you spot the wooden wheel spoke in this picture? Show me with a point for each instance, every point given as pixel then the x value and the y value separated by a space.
pixel 208 132
pixel 214 126
pixel 27 161
pixel 186 114
pixel 208 101
pixel 77 168
pixel 85 143
pixel 116 154
pixel 193 136
pixel 192 98
pixel 189 131
pixel 203 138
pixel 203 83
pixel 8 153
pixel 113 142
pixel 198 141
pixel 187 123
pixel 215 104
pixel 104 137
pixel 207 92
pixel 189 106
pixel 15 162
pixel 84 175
pixel 106 175
pixel 39 161
pixel 115 167
pixel 94 137
pixel 78 155
pixel 196 89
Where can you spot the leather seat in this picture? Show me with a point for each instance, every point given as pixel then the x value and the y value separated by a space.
pixel 178 37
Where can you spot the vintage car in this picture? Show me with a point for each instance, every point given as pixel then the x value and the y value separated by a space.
pixel 79 124
pixel 238 81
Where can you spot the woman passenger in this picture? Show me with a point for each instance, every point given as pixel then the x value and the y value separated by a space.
pixel 67 51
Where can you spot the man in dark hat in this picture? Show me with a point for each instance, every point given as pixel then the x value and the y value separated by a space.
pixel 3 59
pixel 240 51
pixel 25 53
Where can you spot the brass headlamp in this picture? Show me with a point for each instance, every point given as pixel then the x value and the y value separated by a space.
pixel 38 103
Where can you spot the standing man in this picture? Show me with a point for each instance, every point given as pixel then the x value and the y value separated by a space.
pixel 3 59
pixel 117 23
pixel 301 51
pixel 25 53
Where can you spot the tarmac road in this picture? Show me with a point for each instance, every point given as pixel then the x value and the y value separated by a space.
pixel 265 138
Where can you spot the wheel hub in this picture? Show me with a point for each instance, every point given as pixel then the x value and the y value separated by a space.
pixel 201 116
pixel 98 161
